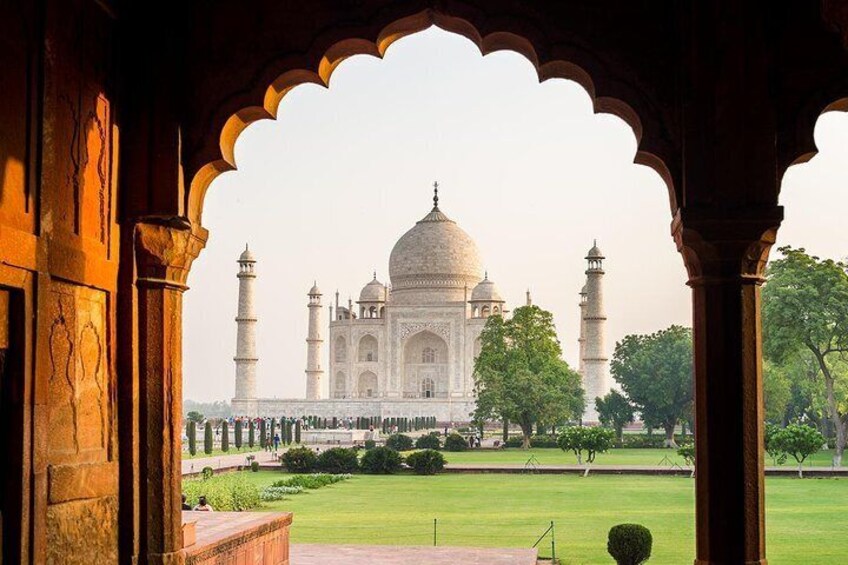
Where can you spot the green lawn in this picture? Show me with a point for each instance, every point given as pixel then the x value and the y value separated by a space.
pixel 613 457
pixel 806 522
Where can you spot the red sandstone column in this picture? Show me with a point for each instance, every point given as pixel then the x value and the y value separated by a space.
pixel 726 259
pixel 165 249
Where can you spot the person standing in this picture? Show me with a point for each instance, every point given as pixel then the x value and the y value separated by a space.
pixel 276 442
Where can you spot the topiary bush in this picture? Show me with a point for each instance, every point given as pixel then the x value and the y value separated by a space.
pixel 192 437
pixel 299 460
pixel 381 461
pixel 338 460
pixel 426 462
pixel 254 466
pixel 251 437
pixel 239 434
pixel 399 442
pixel 455 442
pixel 370 444
pixel 428 441
pixel 629 544
pixel 207 438
pixel 225 436
pixel 207 472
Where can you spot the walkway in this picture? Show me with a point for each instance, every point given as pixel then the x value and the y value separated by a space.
pixel 628 469
pixel 319 554
pixel 191 466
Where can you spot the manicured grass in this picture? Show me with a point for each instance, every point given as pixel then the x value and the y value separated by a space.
pixel 549 456
pixel 806 519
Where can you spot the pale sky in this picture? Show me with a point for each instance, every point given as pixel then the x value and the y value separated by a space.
pixel 527 169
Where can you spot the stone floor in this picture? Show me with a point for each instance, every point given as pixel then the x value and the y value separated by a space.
pixel 319 554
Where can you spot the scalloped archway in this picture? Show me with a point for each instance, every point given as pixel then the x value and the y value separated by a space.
pixel 653 146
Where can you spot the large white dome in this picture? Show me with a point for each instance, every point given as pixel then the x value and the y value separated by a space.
pixel 435 255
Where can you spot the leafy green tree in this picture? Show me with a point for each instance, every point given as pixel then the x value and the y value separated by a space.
pixel 207 438
pixel 578 439
pixel 192 437
pixel 520 375
pixel 614 411
pixel 773 448
pixel 194 416
pixel 655 371
pixel 777 391
pixel 225 436
pixel 805 309
pixel 799 441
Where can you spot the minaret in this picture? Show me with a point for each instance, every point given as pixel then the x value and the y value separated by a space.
pixel 246 358
pixel 581 341
pixel 313 346
pixel 596 379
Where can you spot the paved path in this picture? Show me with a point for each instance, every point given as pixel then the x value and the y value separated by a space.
pixel 320 554
pixel 190 466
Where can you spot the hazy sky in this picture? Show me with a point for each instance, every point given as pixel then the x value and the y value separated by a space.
pixel 527 169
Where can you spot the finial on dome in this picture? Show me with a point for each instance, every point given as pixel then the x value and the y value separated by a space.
pixel 436 194
pixel 486 276
pixel 375 275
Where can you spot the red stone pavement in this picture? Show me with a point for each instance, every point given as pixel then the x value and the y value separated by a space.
pixel 321 554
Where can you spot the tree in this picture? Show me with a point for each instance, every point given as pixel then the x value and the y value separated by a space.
pixel 578 439
pixel 777 391
pixel 239 434
pixel 251 434
pixel 614 411
pixel 655 371
pixel 263 438
pixel 297 432
pixel 805 308
pixel 799 441
pixel 225 436
pixel 773 448
pixel 194 416
pixel 519 375
pixel 192 437
pixel 207 438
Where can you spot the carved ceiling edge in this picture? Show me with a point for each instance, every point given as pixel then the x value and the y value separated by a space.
pixel 726 245
pixel 165 247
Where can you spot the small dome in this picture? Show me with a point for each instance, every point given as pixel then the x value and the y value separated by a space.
pixel 486 291
pixel 595 252
pixel 315 291
pixel 246 256
pixel 374 291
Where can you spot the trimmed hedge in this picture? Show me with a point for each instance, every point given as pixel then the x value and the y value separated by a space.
pixel 429 441
pixel 381 461
pixel 399 442
pixel 455 442
pixel 629 544
pixel 299 460
pixel 535 441
pixel 426 462
pixel 370 444
pixel 338 460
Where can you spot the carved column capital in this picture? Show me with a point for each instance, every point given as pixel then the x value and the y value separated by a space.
pixel 721 245
pixel 165 248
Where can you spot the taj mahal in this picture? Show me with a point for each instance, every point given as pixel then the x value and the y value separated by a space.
pixel 407 348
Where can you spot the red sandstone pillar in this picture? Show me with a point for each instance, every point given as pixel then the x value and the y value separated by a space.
pixel 165 249
pixel 726 259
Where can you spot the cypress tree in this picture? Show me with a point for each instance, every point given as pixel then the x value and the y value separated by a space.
pixel 225 436
pixel 297 432
pixel 192 437
pixel 250 434
pixel 289 430
pixel 239 430
pixel 262 435
pixel 207 438
pixel 335 422
pixel 273 430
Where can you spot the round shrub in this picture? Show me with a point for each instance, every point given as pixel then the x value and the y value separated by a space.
pixel 428 441
pixel 629 544
pixel 338 460
pixel 381 461
pixel 299 460
pixel 399 442
pixel 254 466
pixel 370 444
pixel 426 462
pixel 455 442
pixel 207 472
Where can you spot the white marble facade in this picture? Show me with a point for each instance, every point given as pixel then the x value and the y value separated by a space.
pixel 408 348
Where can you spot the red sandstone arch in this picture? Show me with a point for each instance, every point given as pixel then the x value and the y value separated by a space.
pixel 652 150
